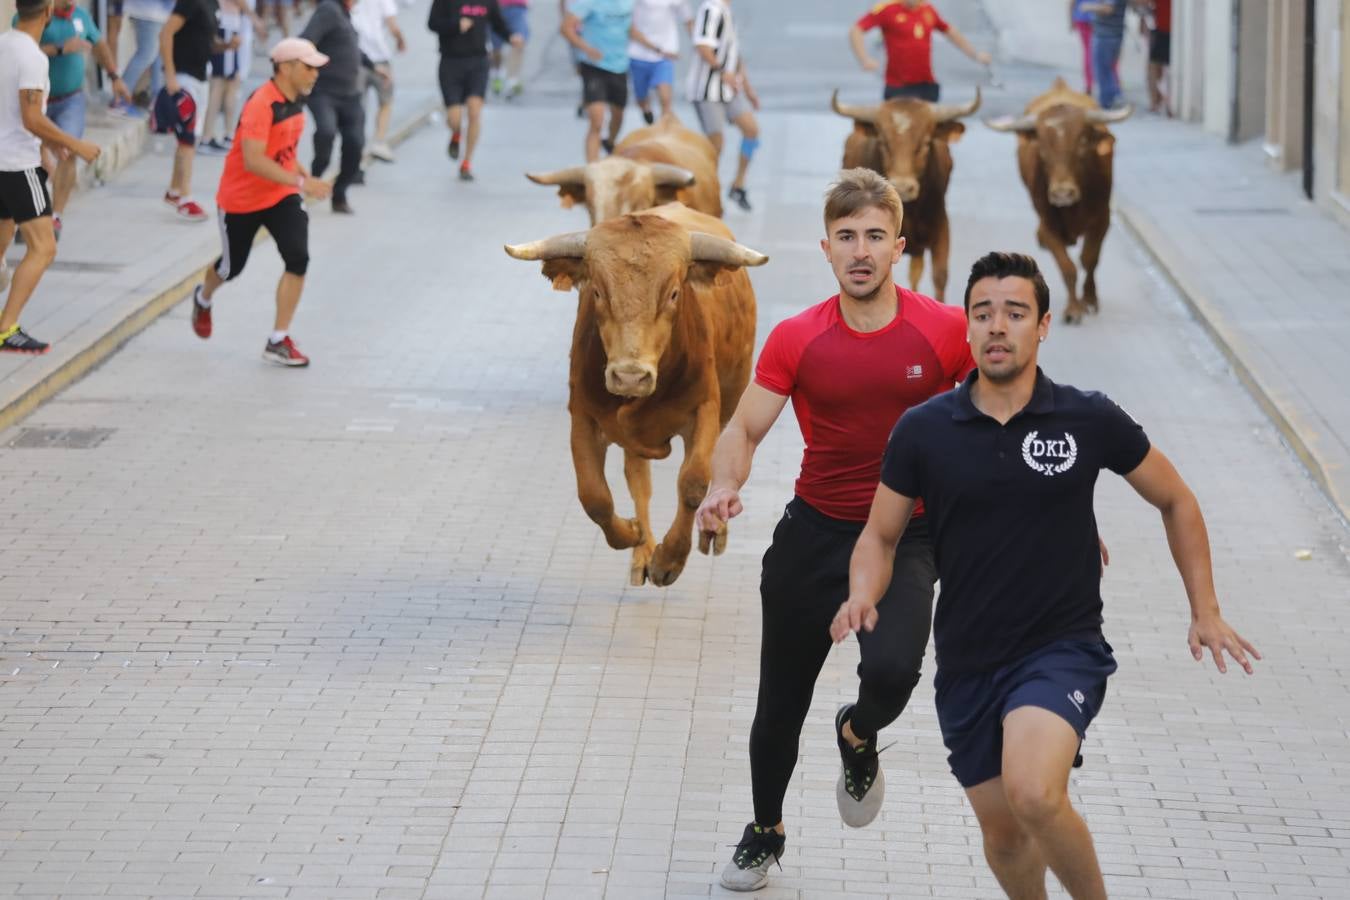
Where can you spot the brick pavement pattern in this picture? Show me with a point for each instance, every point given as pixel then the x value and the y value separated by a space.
pixel 346 632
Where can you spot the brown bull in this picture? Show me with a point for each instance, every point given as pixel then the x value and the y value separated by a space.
pixel 651 166
pixel 662 347
pixel 1064 152
pixel 908 141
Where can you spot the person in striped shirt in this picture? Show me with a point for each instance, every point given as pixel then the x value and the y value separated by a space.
pixel 720 89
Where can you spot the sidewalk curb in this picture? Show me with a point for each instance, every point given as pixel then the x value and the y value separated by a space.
pixel 1234 349
pixel 24 403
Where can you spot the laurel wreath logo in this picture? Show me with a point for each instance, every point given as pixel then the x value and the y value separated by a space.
pixel 1048 469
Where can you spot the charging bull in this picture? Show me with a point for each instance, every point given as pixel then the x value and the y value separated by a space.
pixel 1065 153
pixel 909 142
pixel 651 166
pixel 662 347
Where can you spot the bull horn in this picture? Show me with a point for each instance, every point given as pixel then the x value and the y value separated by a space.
pixel 1012 123
pixel 1108 116
pixel 557 247
pixel 946 112
pixel 713 249
pixel 860 113
pixel 571 175
pixel 666 175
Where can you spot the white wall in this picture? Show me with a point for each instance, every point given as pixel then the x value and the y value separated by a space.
pixel 1037 31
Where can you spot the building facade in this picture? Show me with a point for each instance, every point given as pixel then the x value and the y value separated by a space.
pixel 1277 71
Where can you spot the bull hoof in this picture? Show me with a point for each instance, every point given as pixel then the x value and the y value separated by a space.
pixel 714 543
pixel 625 533
pixel 637 569
pixel 666 565
pixel 1073 315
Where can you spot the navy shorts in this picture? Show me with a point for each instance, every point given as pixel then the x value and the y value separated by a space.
pixel 1068 678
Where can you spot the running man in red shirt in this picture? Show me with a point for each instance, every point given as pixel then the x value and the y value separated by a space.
pixel 851 366
pixel 261 187
pixel 908 26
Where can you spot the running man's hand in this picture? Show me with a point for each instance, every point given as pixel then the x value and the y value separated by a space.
pixel 517 41
pixel 594 54
pixel 983 58
pixel 869 64
pixel 317 189
pixel 853 616
pixel 75 45
pixel 1212 633
pixel 119 89
pixel 1106 554
pixel 171 85
pixel 86 150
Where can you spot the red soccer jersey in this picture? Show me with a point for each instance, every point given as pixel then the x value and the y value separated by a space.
pixel 849 388
pixel 909 40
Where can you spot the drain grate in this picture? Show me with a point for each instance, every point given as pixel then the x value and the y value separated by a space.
pixel 62 438
pixel 1242 211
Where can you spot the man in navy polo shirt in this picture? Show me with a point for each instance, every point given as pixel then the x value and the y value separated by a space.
pixel 1006 466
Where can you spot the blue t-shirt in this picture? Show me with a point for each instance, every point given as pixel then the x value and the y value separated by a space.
pixel 66 70
pixel 1010 508
pixel 605 25
pixel 1079 14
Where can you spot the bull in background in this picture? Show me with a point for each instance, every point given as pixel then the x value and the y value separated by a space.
pixel 651 166
pixel 1064 152
pixel 662 347
pixel 909 142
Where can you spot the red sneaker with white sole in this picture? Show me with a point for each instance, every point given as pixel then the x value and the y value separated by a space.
pixel 192 211
pixel 284 353
pixel 201 315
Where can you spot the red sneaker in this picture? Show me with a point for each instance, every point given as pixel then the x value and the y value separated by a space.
pixel 172 199
pixel 201 315
pixel 285 353
pixel 192 211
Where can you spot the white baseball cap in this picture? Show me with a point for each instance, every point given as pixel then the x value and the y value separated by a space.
pixel 293 48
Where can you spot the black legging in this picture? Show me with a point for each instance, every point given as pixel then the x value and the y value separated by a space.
pixel 805 579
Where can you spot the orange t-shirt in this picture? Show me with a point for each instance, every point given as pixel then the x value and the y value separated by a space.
pixel 267 116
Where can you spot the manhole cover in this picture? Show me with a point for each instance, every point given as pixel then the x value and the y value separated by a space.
pixel 65 438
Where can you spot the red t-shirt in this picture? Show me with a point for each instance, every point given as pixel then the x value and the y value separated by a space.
pixel 1162 15
pixel 909 40
pixel 268 116
pixel 849 388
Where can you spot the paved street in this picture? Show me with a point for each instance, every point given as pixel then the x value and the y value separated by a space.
pixel 347 633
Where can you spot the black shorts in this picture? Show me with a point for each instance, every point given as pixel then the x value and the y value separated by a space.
pixel 603 86
pixel 23 195
pixel 463 77
pixel 924 90
pixel 1160 47
pixel 287 222
pixel 1066 677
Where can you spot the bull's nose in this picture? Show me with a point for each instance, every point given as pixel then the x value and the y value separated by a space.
pixel 1063 194
pixel 630 379
pixel 907 188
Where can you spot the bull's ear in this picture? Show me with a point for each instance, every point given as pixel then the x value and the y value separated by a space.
pixel 564 272
pixel 571 194
pixel 1106 142
pixel 949 131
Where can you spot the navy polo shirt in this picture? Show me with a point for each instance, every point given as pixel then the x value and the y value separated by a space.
pixel 1010 510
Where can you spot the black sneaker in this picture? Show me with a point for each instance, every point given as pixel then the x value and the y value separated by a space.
pixel 749 867
pixel 453 149
pixel 648 116
pixel 741 200
pixel 861 786
pixel 19 341
pixel 607 144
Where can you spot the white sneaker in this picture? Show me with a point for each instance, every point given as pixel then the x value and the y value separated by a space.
pixel 382 151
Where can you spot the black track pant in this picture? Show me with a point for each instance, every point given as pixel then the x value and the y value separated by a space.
pixel 334 116
pixel 805 579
